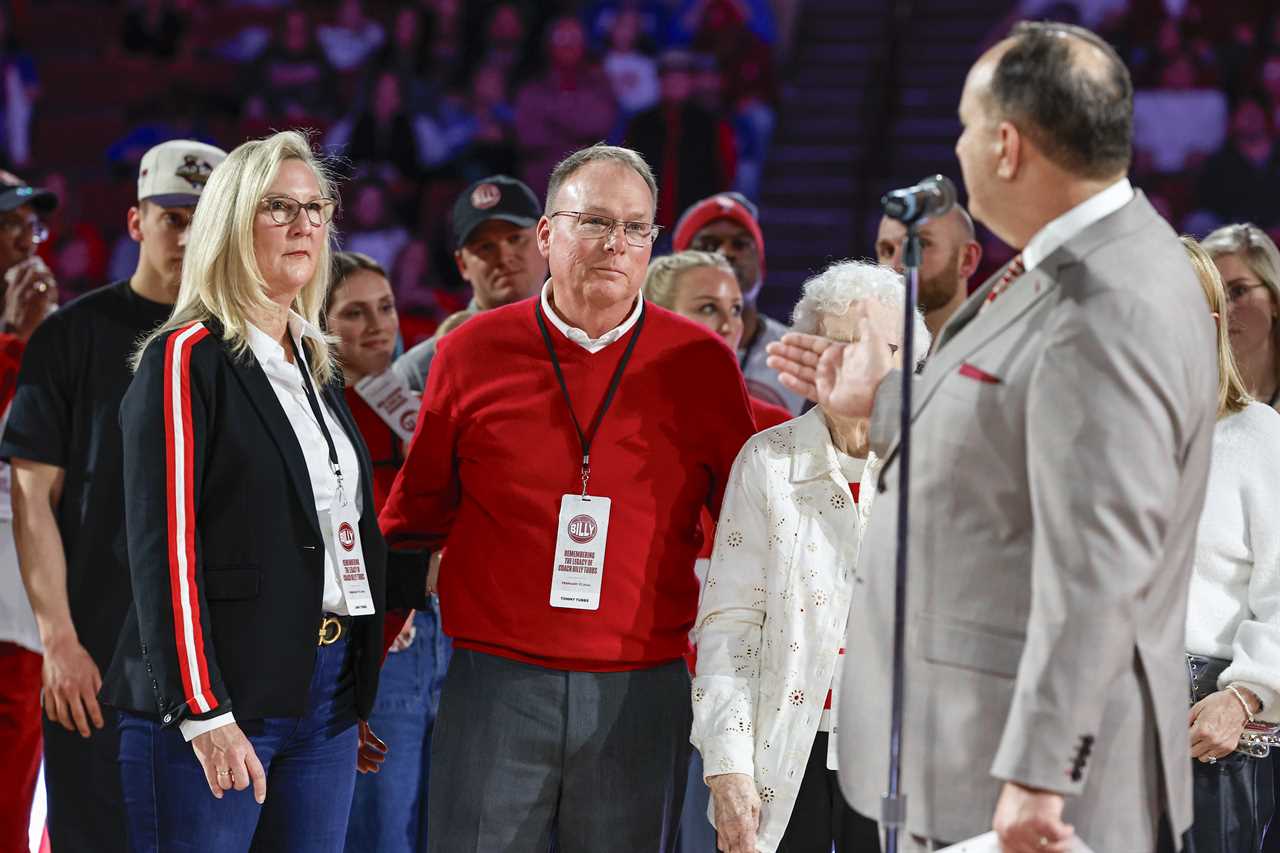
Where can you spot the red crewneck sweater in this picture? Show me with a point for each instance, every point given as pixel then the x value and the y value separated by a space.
pixel 495 450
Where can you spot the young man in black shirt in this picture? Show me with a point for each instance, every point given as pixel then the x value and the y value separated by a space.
pixel 63 441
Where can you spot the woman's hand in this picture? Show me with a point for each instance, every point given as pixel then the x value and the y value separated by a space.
pixel 372 750
pixel 737 811
pixel 1217 722
pixel 229 762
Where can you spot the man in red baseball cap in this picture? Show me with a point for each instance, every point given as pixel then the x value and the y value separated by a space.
pixel 728 223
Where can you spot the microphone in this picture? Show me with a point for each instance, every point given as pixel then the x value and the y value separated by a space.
pixel 928 199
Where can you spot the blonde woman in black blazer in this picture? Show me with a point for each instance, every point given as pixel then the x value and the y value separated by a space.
pixel 248 660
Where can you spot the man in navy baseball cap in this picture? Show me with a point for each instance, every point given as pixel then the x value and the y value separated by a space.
pixel 496 251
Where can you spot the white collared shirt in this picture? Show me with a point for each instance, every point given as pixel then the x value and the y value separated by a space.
pixel 286 381
pixel 1047 240
pixel 581 338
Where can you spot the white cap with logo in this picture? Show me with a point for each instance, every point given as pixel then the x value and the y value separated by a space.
pixel 173 173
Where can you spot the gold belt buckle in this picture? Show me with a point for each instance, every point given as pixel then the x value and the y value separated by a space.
pixel 327 638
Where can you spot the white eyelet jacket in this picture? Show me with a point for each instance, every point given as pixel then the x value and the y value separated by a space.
pixel 773 612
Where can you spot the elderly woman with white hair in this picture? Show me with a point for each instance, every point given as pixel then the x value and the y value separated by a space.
pixel 771 621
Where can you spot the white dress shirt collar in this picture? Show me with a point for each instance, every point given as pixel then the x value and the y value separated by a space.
pixel 1047 240
pixel 580 337
pixel 266 349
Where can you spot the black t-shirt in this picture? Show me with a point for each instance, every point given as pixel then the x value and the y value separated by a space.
pixel 66 412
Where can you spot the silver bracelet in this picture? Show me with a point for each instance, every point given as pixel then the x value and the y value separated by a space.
pixel 1243 704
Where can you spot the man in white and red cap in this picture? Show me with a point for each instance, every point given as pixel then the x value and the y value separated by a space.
pixel 62 438
pixel 728 223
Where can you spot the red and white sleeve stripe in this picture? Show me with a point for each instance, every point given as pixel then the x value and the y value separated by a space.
pixel 180 509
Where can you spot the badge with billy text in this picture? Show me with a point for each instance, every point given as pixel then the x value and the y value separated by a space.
pixel 578 570
pixel 348 556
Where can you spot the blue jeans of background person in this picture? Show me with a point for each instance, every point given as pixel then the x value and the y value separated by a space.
pixel 389 810
pixel 311 768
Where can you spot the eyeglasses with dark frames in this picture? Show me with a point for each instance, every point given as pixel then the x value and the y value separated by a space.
pixel 593 226
pixel 284 209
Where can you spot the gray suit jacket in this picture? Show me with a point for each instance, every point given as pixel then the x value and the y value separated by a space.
pixel 1060 449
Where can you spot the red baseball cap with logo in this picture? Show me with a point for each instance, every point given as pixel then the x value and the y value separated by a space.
pixel 732 206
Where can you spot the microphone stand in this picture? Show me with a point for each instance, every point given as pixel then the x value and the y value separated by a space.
pixel 893 804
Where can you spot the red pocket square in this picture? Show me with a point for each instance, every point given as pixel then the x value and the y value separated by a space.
pixel 979 374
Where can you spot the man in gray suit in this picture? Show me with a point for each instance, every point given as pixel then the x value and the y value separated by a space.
pixel 1061 436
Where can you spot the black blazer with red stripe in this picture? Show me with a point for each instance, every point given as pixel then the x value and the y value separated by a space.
pixel 226 552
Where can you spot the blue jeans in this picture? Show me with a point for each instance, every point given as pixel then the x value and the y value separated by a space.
pixel 389 811
pixel 311 768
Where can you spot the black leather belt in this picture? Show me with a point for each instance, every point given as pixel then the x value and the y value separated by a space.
pixel 332 628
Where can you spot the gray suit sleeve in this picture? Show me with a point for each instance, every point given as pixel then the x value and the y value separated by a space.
pixel 1107 415
pixel 886 413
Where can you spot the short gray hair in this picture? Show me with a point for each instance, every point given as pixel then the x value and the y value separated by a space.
pixel 599 153
pixel 660 280
pixel 834 291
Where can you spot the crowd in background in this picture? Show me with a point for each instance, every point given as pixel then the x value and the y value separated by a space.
pixel 1206 102
pixel 419 99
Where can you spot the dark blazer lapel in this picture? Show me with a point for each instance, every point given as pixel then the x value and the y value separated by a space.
pixel 263 397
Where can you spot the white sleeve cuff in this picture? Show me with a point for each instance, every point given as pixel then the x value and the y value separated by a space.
pixel 191 728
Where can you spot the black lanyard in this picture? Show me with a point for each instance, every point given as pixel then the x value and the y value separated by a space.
pixel 585 439
pixel 315 409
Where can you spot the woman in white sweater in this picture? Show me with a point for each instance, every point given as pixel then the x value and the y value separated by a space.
pixel 771 620
pixel 1233 611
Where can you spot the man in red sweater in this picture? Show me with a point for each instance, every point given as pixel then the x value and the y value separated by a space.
pixel 564 451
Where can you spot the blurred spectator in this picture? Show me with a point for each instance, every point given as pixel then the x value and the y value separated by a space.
pixel 75 249
pixel 291 80
pixel 682 141
pixel 414 282
pixel 481 127
pixel 568 107
pixel 383 134
pixel 653 19
pixel 406 55
pixel 504 40
pixel 1269 77
pixel 445 44
pixel 632 73
pixel 19 89
pixel 152 29
pixel 709 20
pixel 1171 129
pixel 21 208
pixel 374 230
pixel 352 38
pixel 1241 182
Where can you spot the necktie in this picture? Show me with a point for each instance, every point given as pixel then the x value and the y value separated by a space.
pixel 1016 268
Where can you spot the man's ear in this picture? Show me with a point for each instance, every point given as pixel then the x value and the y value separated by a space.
pixel 133 223
pixel 1010 150
pixel 544 236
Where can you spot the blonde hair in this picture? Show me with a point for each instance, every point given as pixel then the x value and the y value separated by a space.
pixel 453 321
pixel 1233 396
pixel 220 276
pixel 660 280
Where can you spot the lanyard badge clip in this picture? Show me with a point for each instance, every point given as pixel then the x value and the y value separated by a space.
pixel 586 472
